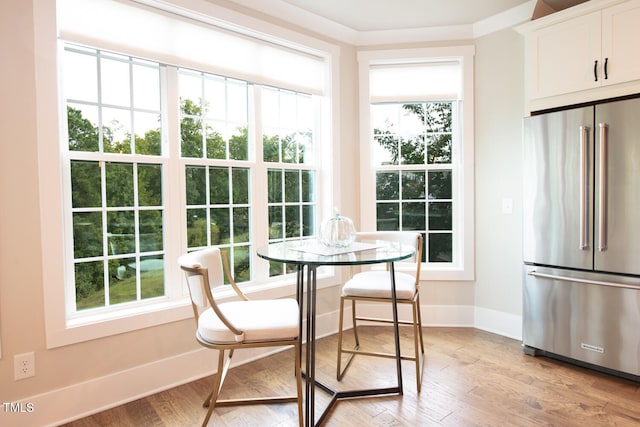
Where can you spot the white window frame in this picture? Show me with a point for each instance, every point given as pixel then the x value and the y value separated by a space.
pixel 60 330
pixel 463 267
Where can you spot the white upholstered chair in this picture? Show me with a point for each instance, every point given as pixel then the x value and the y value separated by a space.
pixel 238 324
pixel 375 287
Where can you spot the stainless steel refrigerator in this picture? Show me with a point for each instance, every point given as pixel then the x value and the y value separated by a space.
pixel 581 222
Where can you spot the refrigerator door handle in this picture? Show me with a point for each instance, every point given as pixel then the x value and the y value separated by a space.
pixel 602 189
pixel 534 273
pixel 584 187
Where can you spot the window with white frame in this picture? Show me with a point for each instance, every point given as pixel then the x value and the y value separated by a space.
pixel 418 143
pixel 114 164
pixel 165 149
pixel 116 169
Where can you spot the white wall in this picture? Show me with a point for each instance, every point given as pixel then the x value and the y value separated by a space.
pixel 499 112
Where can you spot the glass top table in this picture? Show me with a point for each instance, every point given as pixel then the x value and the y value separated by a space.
pixel 309 255
pixel 312 252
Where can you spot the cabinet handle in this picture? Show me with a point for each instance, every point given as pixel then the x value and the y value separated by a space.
pixel 595 70
pixel 606 66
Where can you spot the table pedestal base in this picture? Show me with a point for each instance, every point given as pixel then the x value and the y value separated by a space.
pixel 309 374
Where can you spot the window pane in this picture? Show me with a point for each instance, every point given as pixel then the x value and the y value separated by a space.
pixel 439 148
pixel 387 185
pixel 114 78
pixel 87 234
pixel 89 280
pixel 308 220
pixel 275 185
pixel 151 231
pixel 119 181
pixel 196 228
pixel 308 186
pixel 239 144
pixel 216 141
pixel 80 77
pixel 219 186
pixel 276 230
pixel 149 185
pixel 191 131
pixel 237 102
pixel 121 232
pixel 82 128
pixel 270 147
pixel 292 186
pixel 305 147
pixel 439 184
pixel 122 289
pixel 147 133
pixel 413 185
pixel 289 147
pixel 146 87
pixel 413 217
pixel 242 263
pixel 388 216
pixel 86 184
pixel 152 276
pixel 116 130
pixel 196 185
pixel 440 216
pixel 412 150
pixel 386 148
pixel 240 186
pixel 440 247
pixel 220 226
pixel 214 97
pixel 292 214
pixel 438 116
pixel 241 225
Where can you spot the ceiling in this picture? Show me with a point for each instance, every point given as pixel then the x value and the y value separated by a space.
pixel 385 15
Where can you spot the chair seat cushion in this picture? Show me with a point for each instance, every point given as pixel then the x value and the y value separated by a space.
pixel 377 284
pixel 260 320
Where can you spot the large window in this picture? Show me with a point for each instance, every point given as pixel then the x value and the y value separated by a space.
pixel 417 138
pixel 177 131
pixel 116 250
pixel 413 163
pixel 120 181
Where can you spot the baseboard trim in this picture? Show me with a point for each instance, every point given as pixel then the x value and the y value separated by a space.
pixel 79 400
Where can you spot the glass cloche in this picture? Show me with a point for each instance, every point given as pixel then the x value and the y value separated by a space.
pixel 338 232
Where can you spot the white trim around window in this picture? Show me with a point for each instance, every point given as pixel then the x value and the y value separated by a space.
pixel 60 330
pixel 463 266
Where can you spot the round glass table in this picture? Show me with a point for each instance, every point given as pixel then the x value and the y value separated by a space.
pixel 308 255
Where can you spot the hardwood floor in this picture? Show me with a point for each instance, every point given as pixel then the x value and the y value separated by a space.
pixel 471 378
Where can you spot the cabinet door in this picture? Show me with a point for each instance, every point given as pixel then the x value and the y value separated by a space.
pixel 620 32
pixel 564 56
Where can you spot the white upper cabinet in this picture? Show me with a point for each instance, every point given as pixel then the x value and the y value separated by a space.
pixel 566 56
pixel 583 54
pixel 620 32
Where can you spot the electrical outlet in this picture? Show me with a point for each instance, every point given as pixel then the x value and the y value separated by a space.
pixel 24 366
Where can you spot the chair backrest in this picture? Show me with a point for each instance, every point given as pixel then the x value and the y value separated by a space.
pixel 204 272
pixel 409 238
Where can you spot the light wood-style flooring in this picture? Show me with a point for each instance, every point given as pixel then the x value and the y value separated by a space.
pixel 471 378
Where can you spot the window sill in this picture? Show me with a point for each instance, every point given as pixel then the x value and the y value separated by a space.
pixel 87 327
